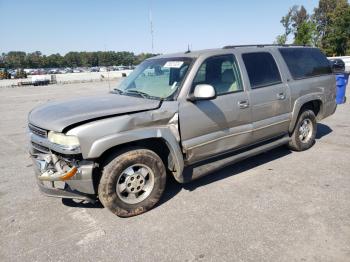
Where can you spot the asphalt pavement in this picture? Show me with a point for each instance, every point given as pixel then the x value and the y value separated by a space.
pixel 278 206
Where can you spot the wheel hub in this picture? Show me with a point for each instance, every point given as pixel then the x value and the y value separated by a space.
pixel 135 183
pixel 305 130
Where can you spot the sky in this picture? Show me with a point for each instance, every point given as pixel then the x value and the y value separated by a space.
pixel 90 25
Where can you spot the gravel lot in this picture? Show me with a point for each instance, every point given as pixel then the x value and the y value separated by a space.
pixel 279 206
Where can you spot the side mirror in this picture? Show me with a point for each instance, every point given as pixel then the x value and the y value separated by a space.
pixel 203 92
pixel 338 65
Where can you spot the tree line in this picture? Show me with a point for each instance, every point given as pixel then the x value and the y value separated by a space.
pixel 19 59
pixel 327 28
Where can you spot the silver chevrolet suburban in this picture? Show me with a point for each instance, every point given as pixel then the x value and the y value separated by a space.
pixel 185 114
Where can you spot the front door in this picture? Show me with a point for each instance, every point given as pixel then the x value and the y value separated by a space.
pixel 211 127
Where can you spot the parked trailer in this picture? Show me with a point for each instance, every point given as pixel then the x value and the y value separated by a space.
pixel 40 80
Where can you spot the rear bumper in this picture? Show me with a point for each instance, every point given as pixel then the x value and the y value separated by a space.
pixel 80 186
pixel 329 109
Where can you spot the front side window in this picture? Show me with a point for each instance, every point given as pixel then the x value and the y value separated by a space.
pixel 305 62
pixel 155 78
pixel 262 69
pixel 221 72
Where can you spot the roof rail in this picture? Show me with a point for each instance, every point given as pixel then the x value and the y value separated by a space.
pixel 262 45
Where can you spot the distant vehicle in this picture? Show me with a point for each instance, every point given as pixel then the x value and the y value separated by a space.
pixel 54 71
pixel 94 69
pixel 12 73
pixel 121 67
pixel 338 65
pixel 66 71
pixel 185 114
pixel 39 80
pixel 28 71
pixel 344 59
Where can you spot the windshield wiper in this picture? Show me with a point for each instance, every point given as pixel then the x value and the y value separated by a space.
pixel 142 94
pixel 117 91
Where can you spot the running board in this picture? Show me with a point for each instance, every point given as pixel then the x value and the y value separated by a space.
pixel 196 171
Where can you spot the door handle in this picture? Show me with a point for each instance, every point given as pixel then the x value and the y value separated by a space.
pixel 243 104
pixel 281 96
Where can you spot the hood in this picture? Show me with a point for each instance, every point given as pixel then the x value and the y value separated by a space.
pixel 56 116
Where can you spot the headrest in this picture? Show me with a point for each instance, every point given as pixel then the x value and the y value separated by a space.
pixel 228 76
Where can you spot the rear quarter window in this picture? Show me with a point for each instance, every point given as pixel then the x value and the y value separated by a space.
pixel 262 69
pixel 305 62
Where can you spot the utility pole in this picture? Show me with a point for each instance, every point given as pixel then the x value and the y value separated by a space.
pixel 151 25
pixel 109 83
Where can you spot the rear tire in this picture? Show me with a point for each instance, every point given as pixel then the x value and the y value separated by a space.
pixel 132 183
pixel 304 134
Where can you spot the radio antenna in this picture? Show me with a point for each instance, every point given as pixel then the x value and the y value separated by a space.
pixel 188 49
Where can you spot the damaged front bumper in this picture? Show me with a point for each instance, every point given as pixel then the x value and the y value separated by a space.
pixel 71 181
pixel 60 171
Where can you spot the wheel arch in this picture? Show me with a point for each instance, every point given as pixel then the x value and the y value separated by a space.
pixel 161 141
pixel 313 102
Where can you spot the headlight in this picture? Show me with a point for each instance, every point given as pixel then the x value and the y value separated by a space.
pixel 62 139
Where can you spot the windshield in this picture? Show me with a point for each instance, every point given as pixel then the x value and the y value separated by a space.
pixel 155 78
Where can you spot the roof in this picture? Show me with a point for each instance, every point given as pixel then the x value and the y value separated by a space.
pixel 197 53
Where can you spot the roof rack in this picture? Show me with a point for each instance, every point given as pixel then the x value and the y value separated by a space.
pixel 262 45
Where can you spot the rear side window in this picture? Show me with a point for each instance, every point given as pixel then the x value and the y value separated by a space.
pixel 262 69
pixel 305 62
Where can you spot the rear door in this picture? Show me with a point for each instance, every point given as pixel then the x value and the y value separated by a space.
pixel 269 95
pixel 211 127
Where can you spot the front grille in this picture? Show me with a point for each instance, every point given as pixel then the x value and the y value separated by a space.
pixel 37 131
pixel 40 148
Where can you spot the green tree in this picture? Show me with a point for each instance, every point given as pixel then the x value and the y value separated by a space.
pixel 298 22
pixel 286 22
pixel 322 18
pixel 72 59
pixel 2 60
pixel 302 27
pixel 339 36
pixel 34 60
pixel 143 56
pixel 15 59
pixel 305 34
pixel 54 60
pixel 332 19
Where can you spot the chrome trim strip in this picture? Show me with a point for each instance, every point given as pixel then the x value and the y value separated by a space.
pixel 217 139
pixel 235 134
pixel 276 123
pixel 39 148
pixel 37 131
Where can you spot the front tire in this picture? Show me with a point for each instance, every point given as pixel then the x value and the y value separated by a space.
pixel 304 134
pixel 132 183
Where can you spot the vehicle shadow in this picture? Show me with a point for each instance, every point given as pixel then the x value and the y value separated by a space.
pixel 323 130
pixel 173 187
pixel 81 203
